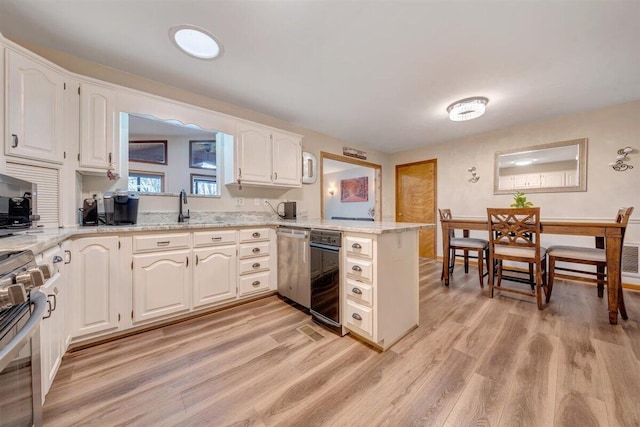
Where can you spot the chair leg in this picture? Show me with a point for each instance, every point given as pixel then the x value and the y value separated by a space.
pixel 466 262
pixel 621 306
pixel 492 271
pixel 499 273
pixel 551 274
pixel 601 279
pixel 538 287
pixel 480 272
pixel 532 279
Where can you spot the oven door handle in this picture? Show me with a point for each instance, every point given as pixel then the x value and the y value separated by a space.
pixel 325 247
pixel 13 347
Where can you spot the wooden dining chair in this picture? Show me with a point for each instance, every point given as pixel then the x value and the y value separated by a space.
pixel 465 244
pixel 587 256
pixel 514 235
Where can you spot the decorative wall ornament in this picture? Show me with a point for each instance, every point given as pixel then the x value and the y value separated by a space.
pixel 623 156
pixel 474 176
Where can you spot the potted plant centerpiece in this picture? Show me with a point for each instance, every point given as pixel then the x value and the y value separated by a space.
pixel 520 201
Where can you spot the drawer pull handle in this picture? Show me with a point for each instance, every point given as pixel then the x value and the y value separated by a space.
pixel 256 250
pixel 216 239
pixel 356 246
pixel 356 268
pixel 15 140
pixel 356 291
pixel 255 235
pixel 256 265
pixel 356 316
pixel 57 259
pixel 164 243
pixel 256 283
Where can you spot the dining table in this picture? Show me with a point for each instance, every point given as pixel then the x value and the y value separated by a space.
pixel 608 235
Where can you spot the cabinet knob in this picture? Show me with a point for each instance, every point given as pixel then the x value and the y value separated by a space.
pixel 356 291
pixel 356 246
pixel 57 259
pixel 356 316
pixel 256 265
pixel 256 250
pixel 256 283
pixel 255 235
pixel 356 268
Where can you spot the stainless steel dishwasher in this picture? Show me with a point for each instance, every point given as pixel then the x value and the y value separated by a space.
pixel 293 265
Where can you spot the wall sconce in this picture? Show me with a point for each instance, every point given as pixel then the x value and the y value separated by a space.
pixel 619 165
pixel 332 191
pixel 474 176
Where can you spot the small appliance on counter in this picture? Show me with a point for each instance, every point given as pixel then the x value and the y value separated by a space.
pixel 289 210
pixel 17 203
pixel 89 212
pixel 121 207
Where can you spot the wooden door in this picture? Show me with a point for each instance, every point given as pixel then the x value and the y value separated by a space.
pixel 416 185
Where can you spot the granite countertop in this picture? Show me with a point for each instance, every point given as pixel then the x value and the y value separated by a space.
pixel 39 240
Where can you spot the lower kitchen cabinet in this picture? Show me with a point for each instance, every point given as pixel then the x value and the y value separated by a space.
pixel 161 283
pixel 95 269
pixel 52 331
pixel 214 275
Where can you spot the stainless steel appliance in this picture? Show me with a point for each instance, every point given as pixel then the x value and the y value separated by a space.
pixel 293 265
pixel 121 207
pixel 325 278
pixel 17 205
pixel 21 310
pixel 289 210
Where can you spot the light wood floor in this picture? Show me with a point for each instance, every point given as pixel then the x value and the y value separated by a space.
pixel 472 361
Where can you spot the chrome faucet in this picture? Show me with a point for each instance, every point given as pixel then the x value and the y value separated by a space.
pixel 182 199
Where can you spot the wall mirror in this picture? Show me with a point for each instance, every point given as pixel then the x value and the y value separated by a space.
pixel 547 168
pixel 190 159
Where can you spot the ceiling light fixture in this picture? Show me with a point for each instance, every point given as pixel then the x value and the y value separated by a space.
pixel 195 41
pixel 467 109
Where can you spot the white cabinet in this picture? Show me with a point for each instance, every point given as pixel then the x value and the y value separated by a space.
pixel 552 179
pixel 95 268
pixel 214 275
pixel 262 156
pixel 527 180
pixel 53 329
pixel 97 127
pixel 256 259
pixel 380 286
pixel 161 275
pixel 35 100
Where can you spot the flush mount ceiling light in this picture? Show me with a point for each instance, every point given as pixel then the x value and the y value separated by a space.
pixel 195 41
pixel 467 109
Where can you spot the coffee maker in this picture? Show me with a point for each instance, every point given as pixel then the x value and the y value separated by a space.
pixel 89 212
pixel 121 207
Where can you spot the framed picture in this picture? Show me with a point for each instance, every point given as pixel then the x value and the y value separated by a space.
pixel 202 154
pixel 354 189
pixel 148 152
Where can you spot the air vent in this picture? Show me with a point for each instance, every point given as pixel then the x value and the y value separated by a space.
pixel 630 259
pixel 311 333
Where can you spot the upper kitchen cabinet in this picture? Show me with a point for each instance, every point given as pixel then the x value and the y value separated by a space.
pixel 261 156
pixel 97 128
pixel 35 100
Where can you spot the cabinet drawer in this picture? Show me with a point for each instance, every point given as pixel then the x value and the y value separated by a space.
pixel 159 242
pixel 253 265
pixel 359 292
pixel 251 283
pixel 254 234
pixel 254 250
pixel 360 317
pixel 360 269
pixel 217 237
pixel 360 246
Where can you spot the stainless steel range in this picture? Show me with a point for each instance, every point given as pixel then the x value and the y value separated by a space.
pixel 21 310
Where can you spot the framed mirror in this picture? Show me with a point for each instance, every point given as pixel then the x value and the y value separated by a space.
pixel 547 168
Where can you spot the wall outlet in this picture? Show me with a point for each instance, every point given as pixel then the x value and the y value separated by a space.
pixel 256 202
pixel 239 201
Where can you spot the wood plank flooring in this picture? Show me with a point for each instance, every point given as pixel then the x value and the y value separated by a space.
pixel 473 361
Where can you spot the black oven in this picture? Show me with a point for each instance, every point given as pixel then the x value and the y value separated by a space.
pixel 325 278
pixel 20 395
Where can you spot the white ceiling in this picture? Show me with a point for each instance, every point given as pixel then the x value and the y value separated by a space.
pixel 377 74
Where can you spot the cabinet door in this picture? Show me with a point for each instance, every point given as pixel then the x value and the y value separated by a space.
pixel 552 179
pixel 97 116
pixel 35 110
pixel 287 159
pixel 254 155
pixel 160 284
pixel 214 275
pixel 94 263
pixel 52 332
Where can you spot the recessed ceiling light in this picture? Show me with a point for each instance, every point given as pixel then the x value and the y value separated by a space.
pixel 467 109
pixel 195 41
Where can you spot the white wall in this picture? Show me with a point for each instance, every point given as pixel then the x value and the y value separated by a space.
pixel 332 204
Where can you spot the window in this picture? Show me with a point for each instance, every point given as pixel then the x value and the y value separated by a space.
pixel 204 184
pixel 146 182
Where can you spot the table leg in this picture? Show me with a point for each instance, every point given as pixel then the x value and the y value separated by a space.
pixel 614 255
pixel 600 270
pixel 445 253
